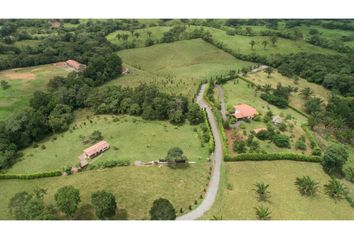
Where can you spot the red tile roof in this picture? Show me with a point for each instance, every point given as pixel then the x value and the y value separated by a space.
pixel 244 111
pixel 96 148
pixel 74 64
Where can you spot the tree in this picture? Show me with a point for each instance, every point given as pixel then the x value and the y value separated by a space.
pixel 95 136
pixel 281 141
pixel 273 40
pixel 195 114
pixel 306 92
pixel 67 199
pixel 175 155
pixel 313 105
pixel 60 117
pixel 252 43
pixel 149 33
pixel 307 186
pixel 176 117
pixel 240 146
pixel 136 34
pixel 4 84
pixel 263 213
pixel 249 30
pixel 104 203
pixel 264 43
pixel 334 158
pixel 335 189
pixel 262 191
pixel 269 71
pixel 162 209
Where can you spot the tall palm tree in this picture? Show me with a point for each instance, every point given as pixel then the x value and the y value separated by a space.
pixel 306 92
pixel 252 43
pixel 307 186
pixel 273 40
pixel 263 213
pixel 149 33
pixel 264 43
pixel 269 71
pixel 262 191
pixel 136 34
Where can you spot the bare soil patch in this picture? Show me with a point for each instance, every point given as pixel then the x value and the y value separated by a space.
pixel 16 75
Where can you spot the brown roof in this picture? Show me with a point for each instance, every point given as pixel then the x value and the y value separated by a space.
pixel 96 148
pixel 244 110
pixel 74 64
pixel 257 130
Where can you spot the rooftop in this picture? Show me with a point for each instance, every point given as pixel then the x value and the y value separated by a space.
pixel 244 110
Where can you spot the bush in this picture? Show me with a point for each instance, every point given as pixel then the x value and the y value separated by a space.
pixel 281 141
pixel 316 151
pixel 263 135
pixel 35 145
pixel 300 144
pixel 334 158
pixel 275 100
pixel 31 176
pixel 109 164
pixel 240 146
pixel 273 156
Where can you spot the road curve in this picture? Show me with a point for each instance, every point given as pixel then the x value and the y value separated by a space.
pixel 216 157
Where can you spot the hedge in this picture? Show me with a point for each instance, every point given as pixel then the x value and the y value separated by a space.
pixel 109 164
pixel 211 136
pixel 31 176
pixel 273 156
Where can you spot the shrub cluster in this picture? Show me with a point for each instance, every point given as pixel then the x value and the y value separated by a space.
pixel 273 156
pixel 109 164
pixel 31 176
pixel 211 137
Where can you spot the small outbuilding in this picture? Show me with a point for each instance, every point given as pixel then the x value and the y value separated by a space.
pixel 244 111
pixel 75 65
pixel 277 120
pixel 96 149
pixel 257 130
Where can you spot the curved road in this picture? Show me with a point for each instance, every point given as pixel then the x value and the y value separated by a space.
pixel 217 158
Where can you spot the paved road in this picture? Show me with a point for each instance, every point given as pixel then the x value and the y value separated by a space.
pixel 217 158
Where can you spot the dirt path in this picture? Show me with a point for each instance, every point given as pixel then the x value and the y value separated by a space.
pixel 217 158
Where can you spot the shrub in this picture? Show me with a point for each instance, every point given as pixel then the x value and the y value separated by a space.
pixel 335 189
pixel 262 191
pixel 240 146
pixel 35 145
pixel 263 213
pixel 162 209
pixel 275 100
pixel 334 158
pixel 281 141
pixel 300 144
pixel 316 151
pixel 306 185
pixel 263 135
pixel 273 156
pixel 31 176
pixel 43 147
pixel 109 164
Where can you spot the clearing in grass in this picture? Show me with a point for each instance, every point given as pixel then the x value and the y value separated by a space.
pixel 237 199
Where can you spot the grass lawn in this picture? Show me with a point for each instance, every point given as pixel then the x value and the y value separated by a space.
pixel 181 65
pixel 135 188
pixel 286 203
pixel 241 44
pixel 23 83
pixel 295 100
pixel 134 138
pixel 237 93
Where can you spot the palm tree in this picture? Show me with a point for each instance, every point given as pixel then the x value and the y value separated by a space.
pixel 248 30
pixel 335 189
pixel 262 191
pixel 125 37
pixel 264 43
pixel 306 92
pixel 307 186
pixel 136 34
pixel 351 174
pixel 252 43
pixel 119 36
pixel 273 40
pixel 263 213
pixel 269 70
pixel 149 33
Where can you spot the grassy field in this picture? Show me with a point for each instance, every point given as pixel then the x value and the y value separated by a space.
pixel 181 64
pixel 241 44
pixel 295 100
pixel 134 138
pixel 23 82
pixel 239 200
pixel 242 92
pixel 135 188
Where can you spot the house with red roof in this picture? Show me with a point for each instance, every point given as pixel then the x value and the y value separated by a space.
pixel 244 111
pixel 75 65
pixel 96 149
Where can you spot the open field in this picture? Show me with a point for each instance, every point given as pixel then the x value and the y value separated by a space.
pixel 134 138
pixel 23 83
pixel 182 64
pixel 241 44
pixel 295 100
pixel 242 92
pixel 135 188
pixel 286 203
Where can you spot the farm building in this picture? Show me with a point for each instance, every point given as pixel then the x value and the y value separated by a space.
pixel 257 130
pixel 277 120
pixel 244 111
pixel 75 65
pixel 96 149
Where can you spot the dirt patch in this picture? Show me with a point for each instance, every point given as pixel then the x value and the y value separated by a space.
pixel 16 75
pixel 60 64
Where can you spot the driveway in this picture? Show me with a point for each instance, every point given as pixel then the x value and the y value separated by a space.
pixel 216 157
